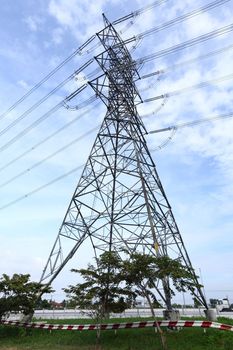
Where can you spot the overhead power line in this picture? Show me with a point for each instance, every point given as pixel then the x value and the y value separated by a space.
pixel 29 194
pixel 186 44
pixel 193 123
pixel 144 59
pixel 35 165
pixel 187 62
pixel 192 87
pixel 170 128
pixel 174 66
pixel 47 138
pixel 46 116
pixel 161 53
pixel 182 18
pixel 26 171
pixel 30 127
pixel 38 103
pixel 78 51
pixel 139 12
pixel 166 142
pixel 49 75
pixel 174 128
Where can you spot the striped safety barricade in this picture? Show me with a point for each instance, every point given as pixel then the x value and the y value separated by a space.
pixel 111 326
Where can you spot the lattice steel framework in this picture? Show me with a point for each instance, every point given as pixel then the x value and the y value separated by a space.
pixel 119 203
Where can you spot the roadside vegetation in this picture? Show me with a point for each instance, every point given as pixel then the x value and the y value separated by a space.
pixel 12 338
pixel 109 286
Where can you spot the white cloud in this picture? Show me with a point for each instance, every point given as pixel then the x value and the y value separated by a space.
pixel 24 84
pixel 33 23
pixel 62 12
pixel 57 35
pixel 76 16
pixel 83 19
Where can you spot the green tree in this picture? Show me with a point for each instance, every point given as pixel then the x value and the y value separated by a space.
pixel 102 290
pixel 42 304
pixel 71 304
pixel 142 272
pixel 19 294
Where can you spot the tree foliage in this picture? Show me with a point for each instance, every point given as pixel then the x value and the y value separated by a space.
pixel 181 276
pixel 113 284
pixel 19 294
pixel 142 272
pixel 43 304
pixel 102 289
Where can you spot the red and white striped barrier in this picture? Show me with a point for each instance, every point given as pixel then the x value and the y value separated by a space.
pixel 92 327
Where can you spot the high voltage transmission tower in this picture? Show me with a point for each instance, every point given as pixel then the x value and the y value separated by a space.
pixel 119 203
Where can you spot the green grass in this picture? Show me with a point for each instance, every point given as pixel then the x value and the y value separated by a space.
pixel 12 338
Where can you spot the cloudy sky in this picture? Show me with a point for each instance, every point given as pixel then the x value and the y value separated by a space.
pixel 195 164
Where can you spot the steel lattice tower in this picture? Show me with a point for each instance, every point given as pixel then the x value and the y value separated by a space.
pixel 119 203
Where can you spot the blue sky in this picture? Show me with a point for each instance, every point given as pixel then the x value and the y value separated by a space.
pixel 196 167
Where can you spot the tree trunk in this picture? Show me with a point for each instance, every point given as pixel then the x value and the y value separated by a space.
pixel 27 318
pixel 161 334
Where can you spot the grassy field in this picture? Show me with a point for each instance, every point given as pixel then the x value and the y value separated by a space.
pixel 126 339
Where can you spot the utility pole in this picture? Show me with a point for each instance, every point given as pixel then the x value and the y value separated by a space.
pixel 119 203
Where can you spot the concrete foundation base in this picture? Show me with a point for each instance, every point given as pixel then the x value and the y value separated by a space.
pixel 172 315
pixel 211 314
pixel 26 318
